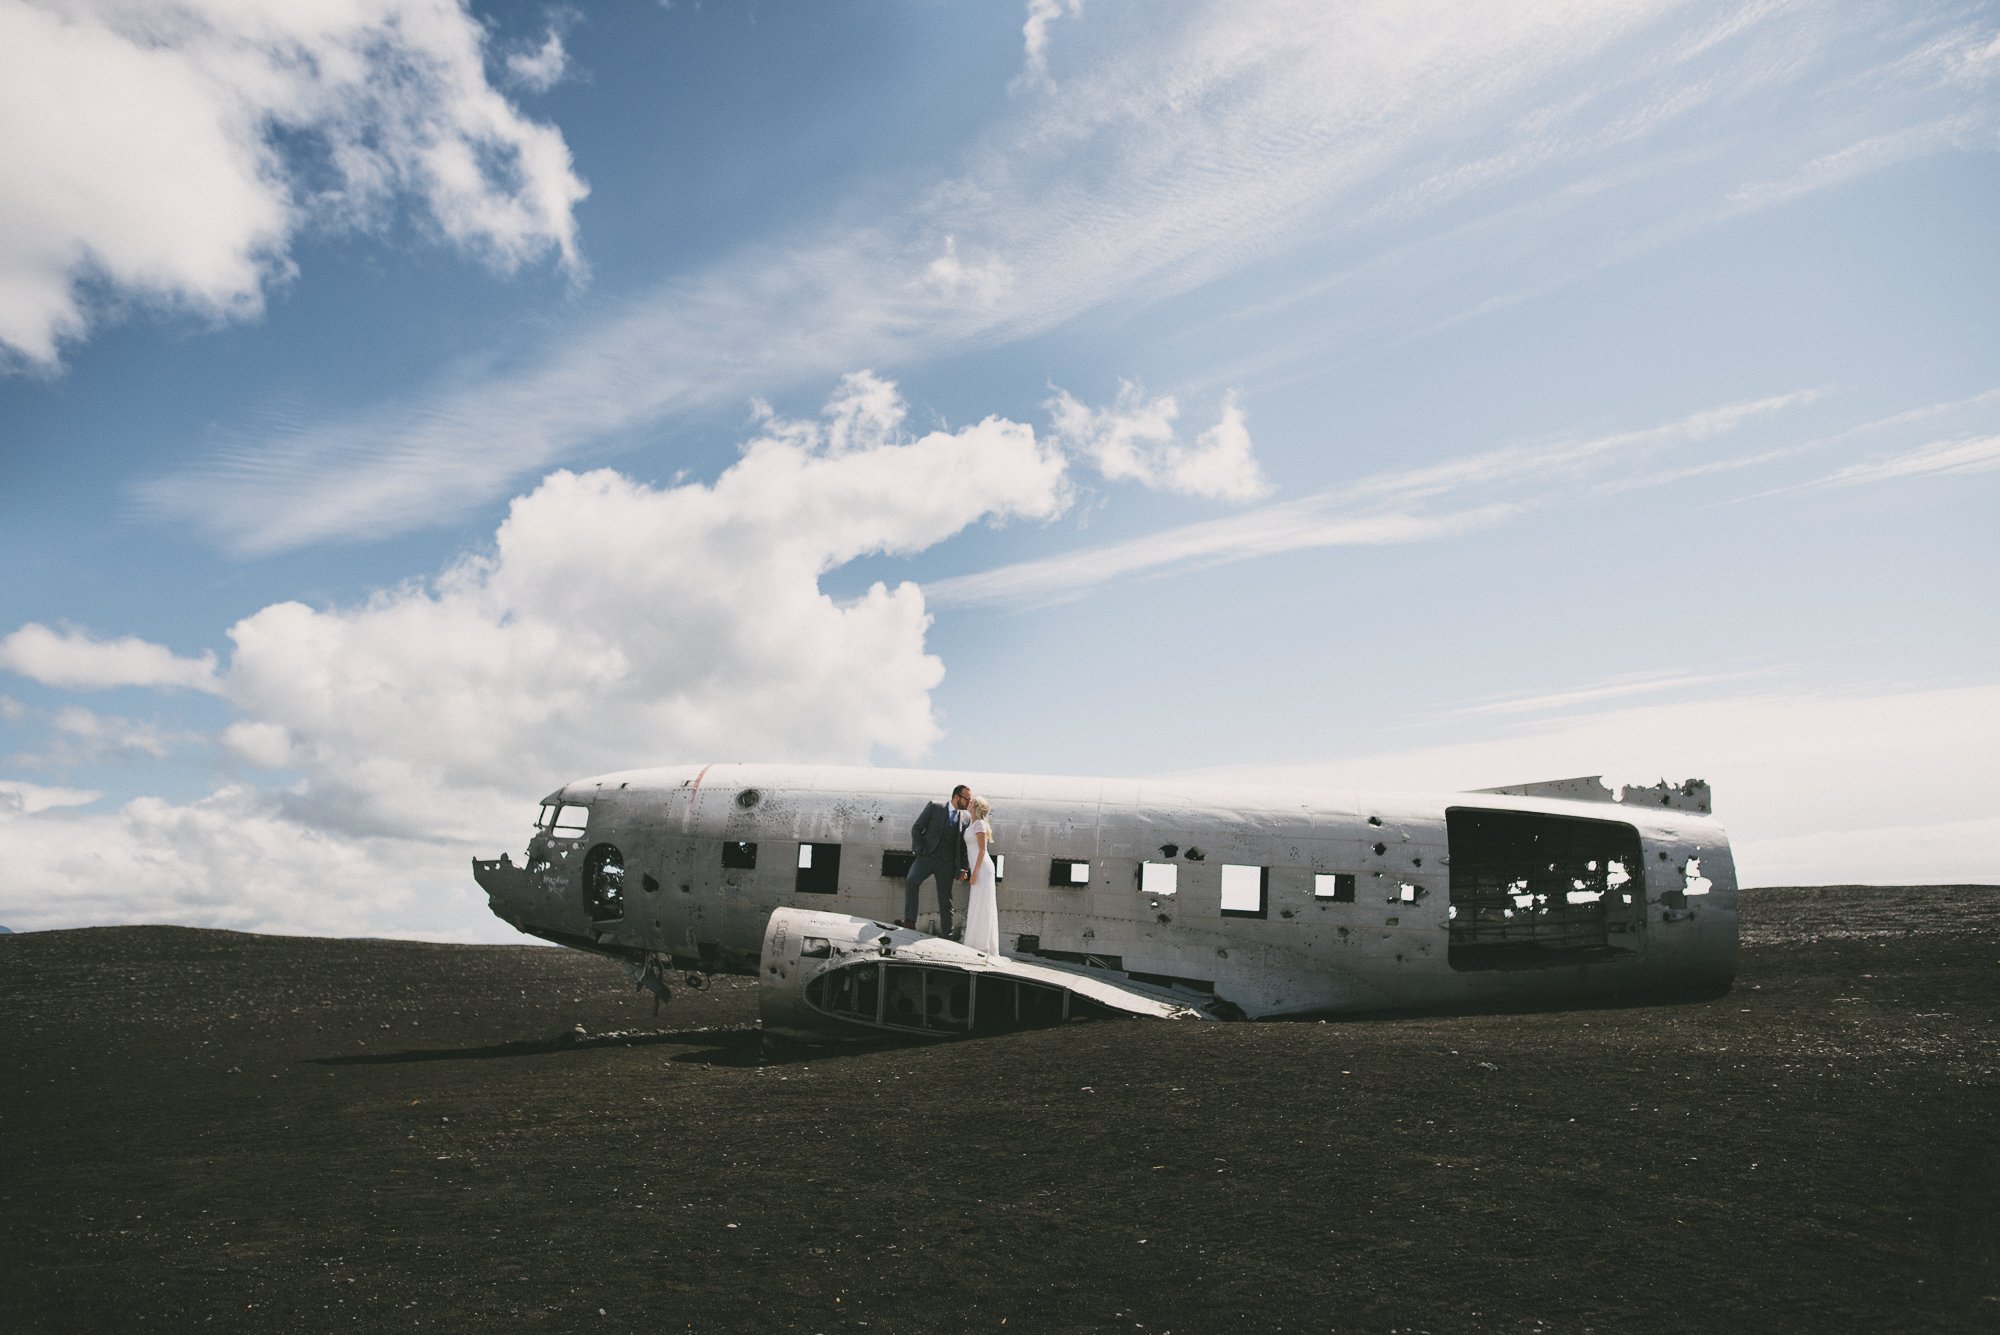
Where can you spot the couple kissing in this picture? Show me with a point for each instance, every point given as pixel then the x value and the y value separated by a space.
pixel 954 842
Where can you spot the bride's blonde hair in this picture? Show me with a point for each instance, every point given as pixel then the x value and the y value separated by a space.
pixel 980 806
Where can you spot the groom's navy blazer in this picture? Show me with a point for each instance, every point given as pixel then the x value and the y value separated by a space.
pixel 934 837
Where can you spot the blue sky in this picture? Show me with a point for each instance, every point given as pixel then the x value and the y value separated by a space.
pixel 407 408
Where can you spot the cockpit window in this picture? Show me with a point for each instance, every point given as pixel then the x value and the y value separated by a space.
pixel 547 817
pixel 571 821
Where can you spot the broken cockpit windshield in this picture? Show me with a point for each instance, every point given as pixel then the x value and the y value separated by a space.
pixel 564 820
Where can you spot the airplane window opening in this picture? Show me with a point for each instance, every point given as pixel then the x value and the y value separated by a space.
pixel 604 883
pixel 819 869
pixel 896 863
pixel 815 948
pixel 1531 890
pixel 1068 872
pixel 1159 878
pixel 571 821
pixel 999 866
pixel 1246 891
pixel 546 818
pixel 742 857
pixel 1337 887
pixel 853 992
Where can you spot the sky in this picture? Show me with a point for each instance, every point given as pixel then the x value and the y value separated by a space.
pixel 408 406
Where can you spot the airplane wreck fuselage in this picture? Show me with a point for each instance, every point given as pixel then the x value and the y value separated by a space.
pixel 1239 901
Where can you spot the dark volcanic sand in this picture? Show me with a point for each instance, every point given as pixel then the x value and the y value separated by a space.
pixel 204 1128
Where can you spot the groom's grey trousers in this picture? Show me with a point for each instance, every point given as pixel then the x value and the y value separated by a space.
pixel 946 873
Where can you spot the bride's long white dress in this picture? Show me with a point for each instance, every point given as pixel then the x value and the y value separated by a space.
pixel 982 912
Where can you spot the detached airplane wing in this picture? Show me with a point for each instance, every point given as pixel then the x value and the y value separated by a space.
pixel 831 976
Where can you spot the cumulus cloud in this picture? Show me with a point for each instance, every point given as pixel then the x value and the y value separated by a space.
pixel 610 624
pixel 230 860
pixel 139 149
pixel 542 68
pixel 73 658
pixel 614 623
pixel 1135 440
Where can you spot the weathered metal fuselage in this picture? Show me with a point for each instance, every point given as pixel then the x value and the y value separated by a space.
pixel 1270 902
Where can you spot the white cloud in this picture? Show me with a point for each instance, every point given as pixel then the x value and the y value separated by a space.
pixel 1980 455
pixel 233 861
pixel 613 620
pixel 1940 853
pixel 73 658
pixel 542 68
pixel 1179 151
pixel 1813 788
pixel 1426 503
pixel 1642 683
pixel 1291 526
pixel 1543 463
pixel 96 735
pixel 17 796
pixel 1035 33
pixel 1134 440
pixel 610 624
pixel 978 285
pixel 138 149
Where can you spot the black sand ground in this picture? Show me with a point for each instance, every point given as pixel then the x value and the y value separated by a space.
pixel 203 1129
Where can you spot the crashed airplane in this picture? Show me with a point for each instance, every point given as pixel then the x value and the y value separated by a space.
pixel 1129 897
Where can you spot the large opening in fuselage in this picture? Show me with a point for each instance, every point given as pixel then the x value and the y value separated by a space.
pixel 1529 889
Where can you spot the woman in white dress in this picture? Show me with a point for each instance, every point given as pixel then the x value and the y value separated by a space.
pixel 982 912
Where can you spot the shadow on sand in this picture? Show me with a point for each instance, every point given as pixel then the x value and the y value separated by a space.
pixel 727 1041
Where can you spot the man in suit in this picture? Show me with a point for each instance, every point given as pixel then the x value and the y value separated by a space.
pixel 938 840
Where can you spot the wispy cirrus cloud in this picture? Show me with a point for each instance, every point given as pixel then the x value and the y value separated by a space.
pixel 1974 447
pixel 1981 455
pixel 1427 503
pixel 1170 153
pixel 1624 687
pixel 1035 33
pixel 1268 531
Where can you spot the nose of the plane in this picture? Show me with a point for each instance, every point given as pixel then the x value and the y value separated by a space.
pixel 507 887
